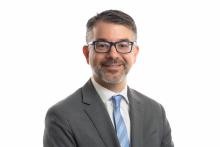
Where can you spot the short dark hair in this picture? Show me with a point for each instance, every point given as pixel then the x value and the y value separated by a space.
pixel 111 16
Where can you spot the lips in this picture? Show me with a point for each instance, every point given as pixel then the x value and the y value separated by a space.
pixel 112 67
pixel 112 63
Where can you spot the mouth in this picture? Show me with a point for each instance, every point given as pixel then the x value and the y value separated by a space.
pixel 115 67
pixel 112 65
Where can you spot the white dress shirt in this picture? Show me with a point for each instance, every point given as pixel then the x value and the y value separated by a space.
pixel 106 96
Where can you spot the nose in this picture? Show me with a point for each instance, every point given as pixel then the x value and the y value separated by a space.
pixel 113 52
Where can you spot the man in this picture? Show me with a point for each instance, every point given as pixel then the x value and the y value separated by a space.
pixel 105 112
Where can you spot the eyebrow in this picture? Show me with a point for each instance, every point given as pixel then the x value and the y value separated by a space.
pixel 101 39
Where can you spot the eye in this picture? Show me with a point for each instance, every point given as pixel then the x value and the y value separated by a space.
pixel 102 45
pixel 123 45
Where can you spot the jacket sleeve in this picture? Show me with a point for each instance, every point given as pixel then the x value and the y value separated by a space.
pixel 57 132
pixel 166 138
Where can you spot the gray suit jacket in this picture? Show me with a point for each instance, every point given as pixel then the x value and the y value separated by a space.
pixel 81 120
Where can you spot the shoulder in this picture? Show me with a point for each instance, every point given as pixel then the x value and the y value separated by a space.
pixel 142 97
pixel 67 106
pixel 149 107
pixel 73 105
pixel 146 102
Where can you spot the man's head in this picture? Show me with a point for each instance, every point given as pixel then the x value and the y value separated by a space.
pixel 111 16
pixel 111 50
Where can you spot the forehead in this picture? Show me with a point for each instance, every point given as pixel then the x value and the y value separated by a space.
pixel 111 32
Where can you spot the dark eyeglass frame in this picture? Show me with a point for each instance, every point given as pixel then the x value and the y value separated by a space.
pixel 111 44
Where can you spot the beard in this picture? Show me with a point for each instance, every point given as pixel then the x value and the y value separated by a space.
pixel 111 76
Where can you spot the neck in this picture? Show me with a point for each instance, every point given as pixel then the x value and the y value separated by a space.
pixel 116 87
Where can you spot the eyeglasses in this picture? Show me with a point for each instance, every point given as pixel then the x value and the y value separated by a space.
pixel 105 46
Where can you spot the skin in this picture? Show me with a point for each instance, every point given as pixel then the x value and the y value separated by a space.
pixel 110 69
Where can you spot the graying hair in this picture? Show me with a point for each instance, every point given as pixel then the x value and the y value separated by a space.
pixel 111 16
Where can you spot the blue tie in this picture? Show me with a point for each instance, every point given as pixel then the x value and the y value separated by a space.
pixel 119 122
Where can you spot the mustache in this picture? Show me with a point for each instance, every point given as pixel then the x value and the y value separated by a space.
pixel 113 62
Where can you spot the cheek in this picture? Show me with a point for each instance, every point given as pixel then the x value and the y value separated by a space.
pixel 132 58
pixel 129 60
pixel 91 59
pixel 94 59
pixel 135 54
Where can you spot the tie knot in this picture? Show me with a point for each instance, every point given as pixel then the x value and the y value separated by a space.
pixel 117 100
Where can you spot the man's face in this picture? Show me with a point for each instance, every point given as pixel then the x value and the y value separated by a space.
pixel 111 67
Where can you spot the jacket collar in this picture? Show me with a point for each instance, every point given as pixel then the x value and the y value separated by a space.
pixel 97 113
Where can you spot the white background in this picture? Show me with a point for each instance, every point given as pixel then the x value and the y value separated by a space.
pixel 41 62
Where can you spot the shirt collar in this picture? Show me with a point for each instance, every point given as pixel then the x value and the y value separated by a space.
pixel 106 94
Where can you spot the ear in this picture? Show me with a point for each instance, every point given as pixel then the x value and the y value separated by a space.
pixel 135 52
pixel 86 53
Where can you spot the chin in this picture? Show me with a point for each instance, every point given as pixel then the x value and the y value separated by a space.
pixel 113 80
pixel 108 78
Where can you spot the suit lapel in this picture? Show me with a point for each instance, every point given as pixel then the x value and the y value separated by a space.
pixel 136 114
pixel 97 113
